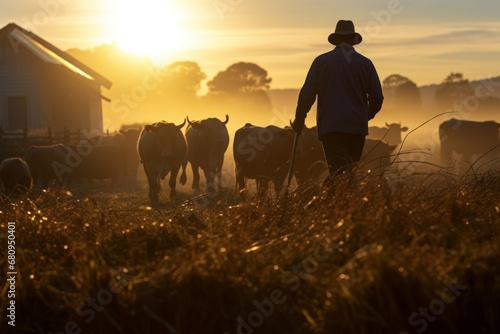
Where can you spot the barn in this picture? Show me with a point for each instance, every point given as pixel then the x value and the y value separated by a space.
pixel 43 87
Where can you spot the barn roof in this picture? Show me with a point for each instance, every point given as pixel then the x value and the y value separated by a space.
pixel 48 53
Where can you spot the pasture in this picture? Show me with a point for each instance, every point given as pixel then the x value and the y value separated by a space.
pixel 419 255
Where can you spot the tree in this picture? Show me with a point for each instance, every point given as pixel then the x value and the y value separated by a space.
pixel 401 91
pixel 240 78
pixel 408 94
pixel 452 90
pixel 183 78
pixel 393 81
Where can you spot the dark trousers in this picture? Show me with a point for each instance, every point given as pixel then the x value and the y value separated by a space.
pixel 341 150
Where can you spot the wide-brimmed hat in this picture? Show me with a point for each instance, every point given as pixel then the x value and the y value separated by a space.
pixel 344 28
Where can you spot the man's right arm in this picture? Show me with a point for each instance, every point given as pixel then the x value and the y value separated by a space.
pixel 307 95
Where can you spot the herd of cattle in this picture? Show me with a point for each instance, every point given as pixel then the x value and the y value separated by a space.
pixel 260 153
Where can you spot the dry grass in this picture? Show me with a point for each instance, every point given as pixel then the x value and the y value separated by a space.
pixel 360 257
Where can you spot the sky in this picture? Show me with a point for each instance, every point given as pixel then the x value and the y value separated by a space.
pixel 424 40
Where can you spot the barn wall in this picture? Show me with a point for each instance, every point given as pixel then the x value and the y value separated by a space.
pixel 95 112
pixel 56 97
pixel 19 76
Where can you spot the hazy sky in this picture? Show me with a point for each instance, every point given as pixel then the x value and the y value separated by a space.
pixel 424 40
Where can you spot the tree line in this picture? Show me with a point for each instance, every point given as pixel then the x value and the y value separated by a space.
pixel 242 86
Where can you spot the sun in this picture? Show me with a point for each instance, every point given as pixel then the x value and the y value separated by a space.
pixel 148 27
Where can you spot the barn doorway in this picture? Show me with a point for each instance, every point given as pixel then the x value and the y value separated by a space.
pixel 17 109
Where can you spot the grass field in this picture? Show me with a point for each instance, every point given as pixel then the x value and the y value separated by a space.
pixel 418 256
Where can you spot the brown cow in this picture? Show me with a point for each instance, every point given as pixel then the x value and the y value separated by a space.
pixel 43 162
pixel 263 154
pixel 163 150
pixel 391 133
pixel 15 176
pixel 207 141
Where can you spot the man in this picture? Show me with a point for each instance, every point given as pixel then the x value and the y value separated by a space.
pixel 349 94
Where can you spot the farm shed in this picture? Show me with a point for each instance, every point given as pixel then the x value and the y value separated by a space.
pixel 41 86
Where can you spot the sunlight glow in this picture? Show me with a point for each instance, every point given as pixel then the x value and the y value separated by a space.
pixel 148 27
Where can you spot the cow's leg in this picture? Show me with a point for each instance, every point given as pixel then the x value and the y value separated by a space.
pixel 153 184
pixel 196 178
pixel 218 175
pixel 240 179
pixel 210 185
pixel 173 182
pixel 278 184
pixel 262 186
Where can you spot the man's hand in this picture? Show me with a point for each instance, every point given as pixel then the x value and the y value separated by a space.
pixel 298 124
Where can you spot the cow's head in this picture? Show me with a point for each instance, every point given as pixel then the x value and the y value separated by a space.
pixel 166 134
pixel 396 127
pixel 130 137
pixel 394 131
pixel 214 131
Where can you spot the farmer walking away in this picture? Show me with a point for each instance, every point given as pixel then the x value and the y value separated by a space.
pixel 349 95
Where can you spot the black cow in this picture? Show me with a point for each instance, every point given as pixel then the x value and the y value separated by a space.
pixel 15 175
pixel 262 154
pixel 126 141
pixel 44 162
pixel 376 156
pixel 163 150
pixel 94 162
pixel 467 138
pixel 391 133
pixel 207 141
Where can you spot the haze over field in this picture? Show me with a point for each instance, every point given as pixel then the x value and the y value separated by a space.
pixel 423 40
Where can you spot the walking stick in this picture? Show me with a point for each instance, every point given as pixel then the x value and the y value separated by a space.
pixel 292 160
pixel 290 174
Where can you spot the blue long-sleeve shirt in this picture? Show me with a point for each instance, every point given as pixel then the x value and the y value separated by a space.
pixel 348 89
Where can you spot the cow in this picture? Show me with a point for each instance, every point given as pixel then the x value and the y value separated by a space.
pixel 99 162
pixel 15 176
pixel 306 166
pixel 469 139
pixel 162 149
pixel 126 141
pixel 376 156
pixel 43 162
pixel 391 133
pixel 263 154
pixel 207 141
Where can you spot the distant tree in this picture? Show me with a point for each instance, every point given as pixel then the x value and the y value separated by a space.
pixel 183 78
pixel 240 78
pixel 394 81
pixel 401 91
pixel 452 90
pixel 408 93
